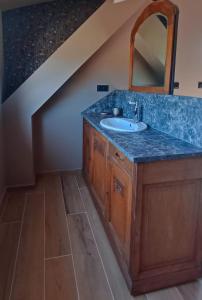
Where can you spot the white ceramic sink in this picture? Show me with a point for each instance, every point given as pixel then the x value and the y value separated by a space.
pixel 122 125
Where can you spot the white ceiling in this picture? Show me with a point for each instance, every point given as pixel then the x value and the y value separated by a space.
pixel 9 4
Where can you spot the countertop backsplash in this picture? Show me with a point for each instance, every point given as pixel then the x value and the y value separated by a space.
pixel 178 116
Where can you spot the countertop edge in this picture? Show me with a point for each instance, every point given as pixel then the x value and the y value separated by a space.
pixel 145 159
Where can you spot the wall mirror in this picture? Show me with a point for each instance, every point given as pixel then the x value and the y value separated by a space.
pixel 153 47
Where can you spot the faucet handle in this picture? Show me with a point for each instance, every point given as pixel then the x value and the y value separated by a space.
pixel 135 103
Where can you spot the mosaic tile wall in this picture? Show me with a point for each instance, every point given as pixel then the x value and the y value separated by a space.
pixel 178 116
pixel 33 33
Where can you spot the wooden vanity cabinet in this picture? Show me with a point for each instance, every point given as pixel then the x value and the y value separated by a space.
pixel 166 238
pixel 99 169
pixel 152 213
pixel 119 201
pixel 95 164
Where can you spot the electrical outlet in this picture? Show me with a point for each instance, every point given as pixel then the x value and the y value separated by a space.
pixel 103 88
pixel 176 85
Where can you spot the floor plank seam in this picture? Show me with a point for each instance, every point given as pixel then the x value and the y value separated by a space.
pixel 57 257
pixel 77 213
pixel 80 194
pixel 77 184
pixel 70 243
pixel 102 263
pixel 73 262
pixel 63 194
pixel 178 292
pixel 147 297
pixel 11 222
pixel 44 193
pixel 18 247
pixel 65 215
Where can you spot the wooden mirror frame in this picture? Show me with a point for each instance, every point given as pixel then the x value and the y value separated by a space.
pixel 171 11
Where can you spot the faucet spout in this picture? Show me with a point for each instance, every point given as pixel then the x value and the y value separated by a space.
pixel 137 109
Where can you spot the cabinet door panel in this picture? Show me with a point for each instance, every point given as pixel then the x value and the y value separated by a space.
pixel 99 169
pixel 120 205
pixel 170 224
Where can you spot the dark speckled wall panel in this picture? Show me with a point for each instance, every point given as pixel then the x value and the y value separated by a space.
pixel 33 33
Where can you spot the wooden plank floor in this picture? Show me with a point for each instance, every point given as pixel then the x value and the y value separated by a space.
pixel 53 246
pixel 29 274
pixel 60 281
pixel 9 237
pixel 57 239
pixel 13 207
pixel 90 274
pixel 73 201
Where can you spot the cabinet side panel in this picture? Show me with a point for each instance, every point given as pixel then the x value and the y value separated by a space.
pixel 169 224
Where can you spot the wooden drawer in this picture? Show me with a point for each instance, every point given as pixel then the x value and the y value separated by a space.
pixel 120 159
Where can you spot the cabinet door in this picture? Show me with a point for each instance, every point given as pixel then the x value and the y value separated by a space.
pixel 120 197
pixel 87 141
pixel 99 169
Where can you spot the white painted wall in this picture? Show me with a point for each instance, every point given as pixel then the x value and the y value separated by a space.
pixel 189 48
pixel 58 126
pixel 2 168
pixel 60 67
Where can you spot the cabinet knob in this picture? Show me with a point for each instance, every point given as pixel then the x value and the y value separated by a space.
pixel 119 156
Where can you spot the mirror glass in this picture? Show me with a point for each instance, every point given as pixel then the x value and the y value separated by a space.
pixel 150 50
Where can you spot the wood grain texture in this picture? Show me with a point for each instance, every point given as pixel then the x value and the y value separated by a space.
pixel 166 211
pixel 89 271
pixel 29 276
pixel 168 294
pixel 175 206
pixel 57 239
pixel 120 199
pixel 121 159
pixel 177 170
pixel 9 237
pixel 116 279
pixel 99 168
pixel 72 197
pixel 191 291
pixel 13 207
pixel 60 280
pixel 80 180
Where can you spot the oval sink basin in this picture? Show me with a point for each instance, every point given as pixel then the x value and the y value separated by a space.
pixel 122 125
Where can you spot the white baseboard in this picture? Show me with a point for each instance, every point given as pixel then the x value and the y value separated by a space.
pixel 57 171
pixel 15 186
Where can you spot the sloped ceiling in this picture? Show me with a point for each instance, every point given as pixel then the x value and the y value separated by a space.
pixel 9 4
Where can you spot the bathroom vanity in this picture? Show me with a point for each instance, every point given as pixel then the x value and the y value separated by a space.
pixel 147 189
pixel 147 185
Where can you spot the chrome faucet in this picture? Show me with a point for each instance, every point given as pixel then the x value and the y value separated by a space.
pixel 137 109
